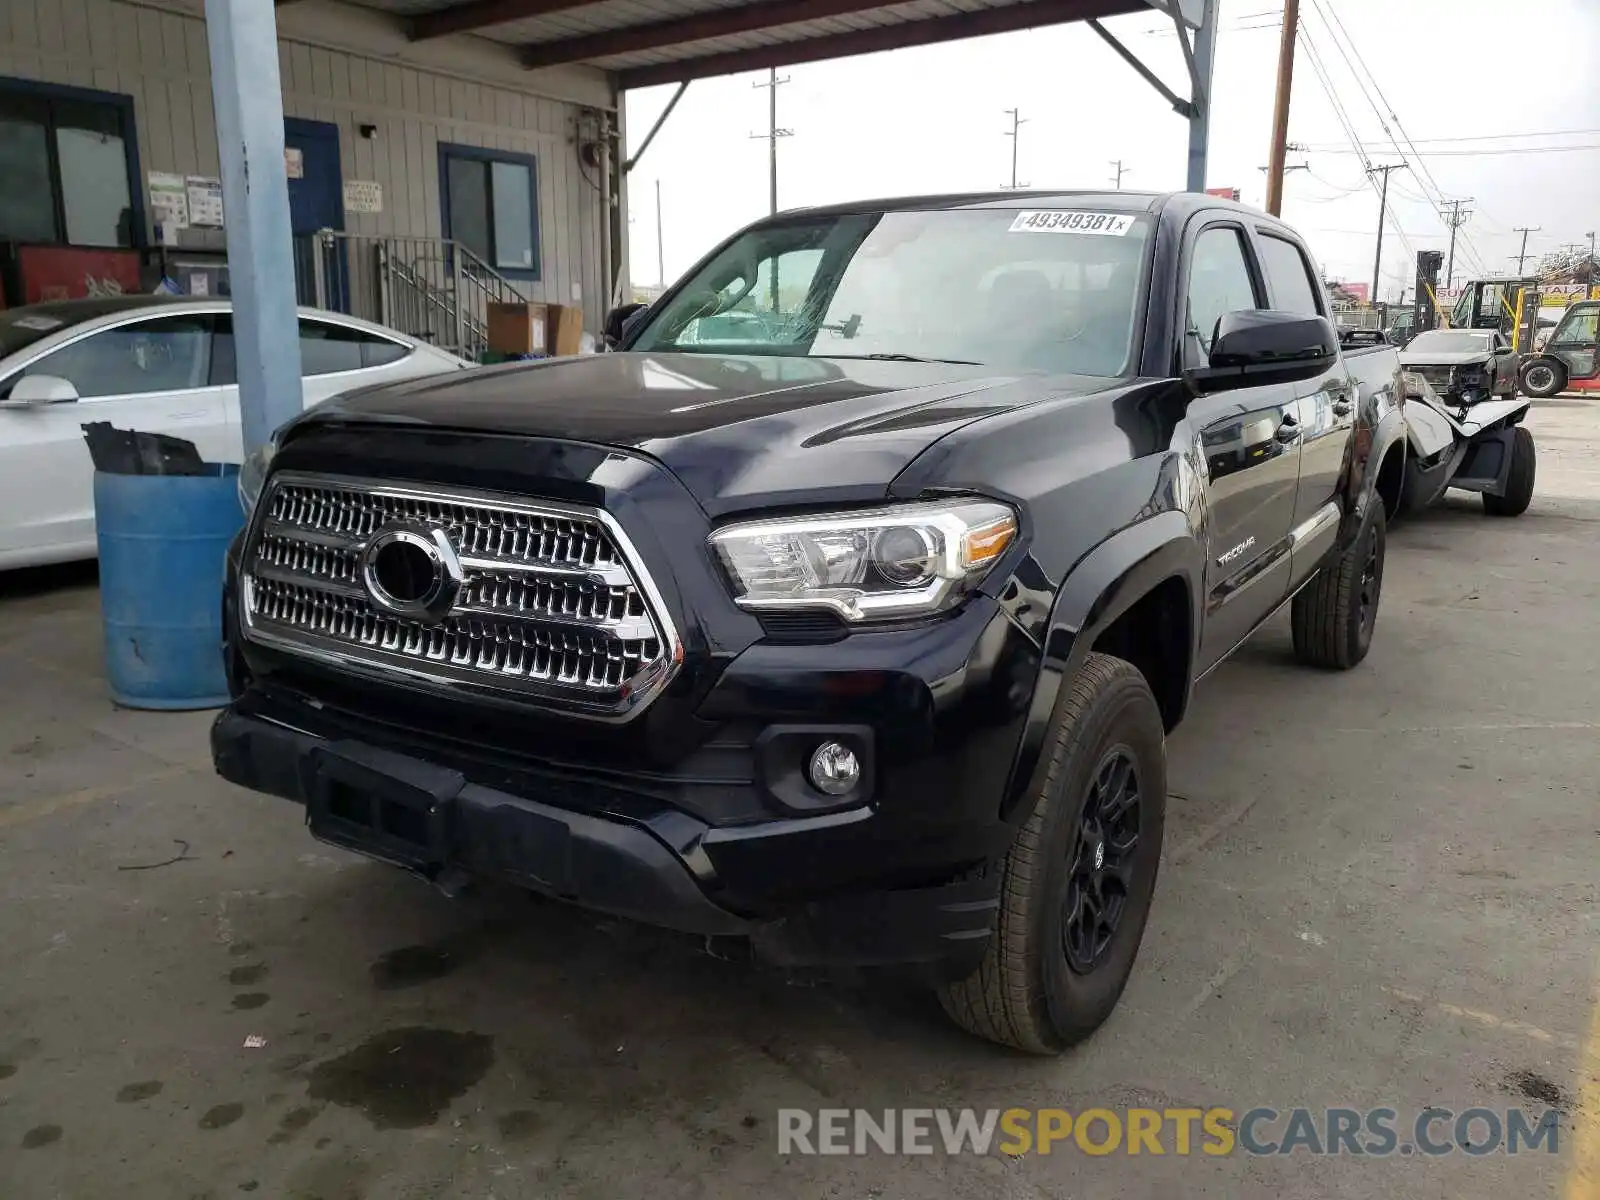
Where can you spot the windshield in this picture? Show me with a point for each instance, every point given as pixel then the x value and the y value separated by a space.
pixel 1452 343
pixel 1050 291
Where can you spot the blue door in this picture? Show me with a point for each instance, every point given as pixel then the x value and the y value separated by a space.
pixel 316 201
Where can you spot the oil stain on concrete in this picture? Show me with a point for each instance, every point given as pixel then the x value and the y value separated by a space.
pixel 221 1116
pixel 245 976
pixel 41 1135
pixel 411 965
pixel 132 1093
pixel 293 1121
pixel 405 1078
pixel 249 1000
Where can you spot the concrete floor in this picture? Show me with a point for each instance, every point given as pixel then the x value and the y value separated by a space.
pixel 1380 888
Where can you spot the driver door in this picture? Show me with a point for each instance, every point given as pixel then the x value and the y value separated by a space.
pixel 150 375
pixel 1250 439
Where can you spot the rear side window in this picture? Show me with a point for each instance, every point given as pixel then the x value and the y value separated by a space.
pixel 1293 289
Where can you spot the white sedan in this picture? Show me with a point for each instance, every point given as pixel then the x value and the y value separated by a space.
pixel 153 364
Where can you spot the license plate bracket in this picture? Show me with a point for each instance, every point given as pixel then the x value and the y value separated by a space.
pixel 382 804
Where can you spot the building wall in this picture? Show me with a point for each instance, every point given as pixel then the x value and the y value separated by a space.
pixel 348 67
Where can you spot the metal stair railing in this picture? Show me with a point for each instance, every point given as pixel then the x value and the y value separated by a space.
pixel 432 289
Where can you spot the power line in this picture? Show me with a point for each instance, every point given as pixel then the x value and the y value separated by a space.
pixel 1320 70
pixel 1490 153
pixel 1331 18
pixel 1482 137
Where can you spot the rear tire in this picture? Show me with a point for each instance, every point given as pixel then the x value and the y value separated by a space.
pixel 1076 885
pixel 1333 616
pixel 1543 377
pixel 1519 480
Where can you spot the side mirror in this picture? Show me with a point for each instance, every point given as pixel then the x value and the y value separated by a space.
pixel 35 391
pixel 1256 347
pixel 618 320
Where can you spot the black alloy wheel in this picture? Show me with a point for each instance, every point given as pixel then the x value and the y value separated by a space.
pixel 1100 876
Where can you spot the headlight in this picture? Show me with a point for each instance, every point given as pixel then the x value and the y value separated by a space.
pixel 906 561
pixel 253 474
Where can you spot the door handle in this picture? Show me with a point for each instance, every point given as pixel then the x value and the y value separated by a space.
pixel 1288 430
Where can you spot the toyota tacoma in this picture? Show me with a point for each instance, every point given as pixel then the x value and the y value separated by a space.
pixel 852 629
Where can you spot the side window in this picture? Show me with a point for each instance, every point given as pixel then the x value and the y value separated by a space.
pixel 1292 287
pixel 1219 282
pixel 763 309
pixel 1577 328
pixel 326 349
pixel 164 354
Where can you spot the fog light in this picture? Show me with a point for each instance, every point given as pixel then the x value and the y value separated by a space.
pixel 834 769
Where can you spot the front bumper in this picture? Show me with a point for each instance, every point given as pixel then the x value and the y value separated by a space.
pixel 428 818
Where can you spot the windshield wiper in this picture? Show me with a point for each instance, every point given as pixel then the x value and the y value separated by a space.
pixel 960 362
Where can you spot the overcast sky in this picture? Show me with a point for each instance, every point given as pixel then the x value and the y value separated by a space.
pixel 932 119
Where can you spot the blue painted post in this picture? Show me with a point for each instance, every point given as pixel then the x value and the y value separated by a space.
pixel 248 99
pixel 1205 42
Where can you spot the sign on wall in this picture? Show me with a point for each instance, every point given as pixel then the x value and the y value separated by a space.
pixel 363 196
pixel 205 200
pixel 169 200
pixel 294 162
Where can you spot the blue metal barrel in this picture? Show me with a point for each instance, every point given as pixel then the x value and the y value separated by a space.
pixel 163 540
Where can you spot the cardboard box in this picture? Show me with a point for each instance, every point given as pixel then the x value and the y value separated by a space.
pixel 518 328
pixel 565 326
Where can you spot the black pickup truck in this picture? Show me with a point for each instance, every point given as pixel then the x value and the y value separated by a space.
pixel 851 628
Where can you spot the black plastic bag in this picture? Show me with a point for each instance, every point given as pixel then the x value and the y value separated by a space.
pixel 129 452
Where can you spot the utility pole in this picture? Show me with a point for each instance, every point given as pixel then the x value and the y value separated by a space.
pixel 1522 255
pixel 661 253
pixel 1588 275
pixel 1121 171
pixel 1015 134
pixel 1383 207
pixel 1280 108
pixel 1455 218
pixel 772 134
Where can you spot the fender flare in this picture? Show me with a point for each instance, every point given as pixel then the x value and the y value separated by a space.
pixel 1389 431
pixel 1098 589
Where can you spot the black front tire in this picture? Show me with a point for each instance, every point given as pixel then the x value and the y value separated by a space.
pixel 1543 378
pixel 1047 979
pixel 1333 616
pixel 1519 480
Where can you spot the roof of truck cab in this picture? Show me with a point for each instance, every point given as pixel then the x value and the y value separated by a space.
pixel 1181 203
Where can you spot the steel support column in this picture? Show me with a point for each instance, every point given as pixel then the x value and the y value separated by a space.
pixel 248 100
pixel 1205 42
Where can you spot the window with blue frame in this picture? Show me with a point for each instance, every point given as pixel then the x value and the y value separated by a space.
pixel 491 206
pixel 67 166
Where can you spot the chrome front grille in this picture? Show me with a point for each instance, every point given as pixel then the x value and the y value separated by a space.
pixel 546 600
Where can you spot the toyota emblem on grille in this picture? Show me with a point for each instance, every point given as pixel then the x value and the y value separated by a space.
pixel 412 571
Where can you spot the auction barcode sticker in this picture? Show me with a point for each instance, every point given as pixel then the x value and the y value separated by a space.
pixel 1103 223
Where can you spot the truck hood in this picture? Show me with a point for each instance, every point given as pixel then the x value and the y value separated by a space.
pixel 1439 358
pixel 739 431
